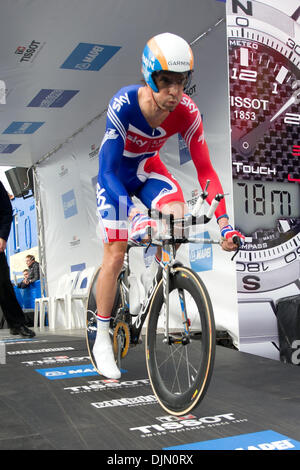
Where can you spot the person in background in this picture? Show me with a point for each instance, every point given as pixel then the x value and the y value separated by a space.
pixel 34 269
pixel 11 309
pixel 24 283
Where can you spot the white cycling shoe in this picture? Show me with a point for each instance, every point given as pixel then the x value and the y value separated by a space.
pixel 104 356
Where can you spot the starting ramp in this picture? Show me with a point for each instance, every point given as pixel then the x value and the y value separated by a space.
pixel 53 399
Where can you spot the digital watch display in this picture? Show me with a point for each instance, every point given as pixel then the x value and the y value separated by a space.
pixel 259 205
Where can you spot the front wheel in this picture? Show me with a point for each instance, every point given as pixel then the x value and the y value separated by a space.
pixel 180 363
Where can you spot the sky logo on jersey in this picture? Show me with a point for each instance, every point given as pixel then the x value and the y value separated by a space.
pixel 47 98
pixel 88 56
pixel 67 372
pixel 201 254
pixel 23 127
pixel 69 204
pixel 9 148
pixel 264 440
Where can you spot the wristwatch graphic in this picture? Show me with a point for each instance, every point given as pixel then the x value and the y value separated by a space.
pixel 264 71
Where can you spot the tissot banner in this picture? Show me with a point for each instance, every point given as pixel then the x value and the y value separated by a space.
pixel 264 63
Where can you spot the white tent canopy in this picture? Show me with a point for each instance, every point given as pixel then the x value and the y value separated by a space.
pixel 38 36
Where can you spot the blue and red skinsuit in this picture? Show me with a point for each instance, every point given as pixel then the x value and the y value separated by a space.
pixel 130 165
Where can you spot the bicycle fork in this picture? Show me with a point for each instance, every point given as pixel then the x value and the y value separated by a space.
pixel 166 263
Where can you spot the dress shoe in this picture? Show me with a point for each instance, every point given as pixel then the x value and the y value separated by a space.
pixel 23 331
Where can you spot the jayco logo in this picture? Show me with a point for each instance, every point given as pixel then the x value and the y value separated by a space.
pixel 118 102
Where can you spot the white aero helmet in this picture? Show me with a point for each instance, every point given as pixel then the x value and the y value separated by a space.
pixel 166 51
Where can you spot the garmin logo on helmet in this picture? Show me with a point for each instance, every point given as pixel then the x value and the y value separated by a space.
pixel 179 62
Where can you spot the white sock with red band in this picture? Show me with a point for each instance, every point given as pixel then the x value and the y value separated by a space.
pixel 103 351
pixel 103 322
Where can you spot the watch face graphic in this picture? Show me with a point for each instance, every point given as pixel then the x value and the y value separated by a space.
pixel 264 72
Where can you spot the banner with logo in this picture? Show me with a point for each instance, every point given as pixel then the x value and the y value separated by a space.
pixel 264 73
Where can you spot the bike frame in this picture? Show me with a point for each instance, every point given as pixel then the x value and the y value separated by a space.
pixel 168 242
pixel 166 265
pixel 137 322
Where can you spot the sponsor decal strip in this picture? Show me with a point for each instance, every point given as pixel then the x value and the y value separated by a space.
pixel 264 440
pixel 36 351
pixel 116 121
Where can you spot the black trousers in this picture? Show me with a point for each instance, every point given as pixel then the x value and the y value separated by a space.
pixel 11 309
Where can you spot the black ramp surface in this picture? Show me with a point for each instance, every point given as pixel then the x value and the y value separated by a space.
pixel 51 398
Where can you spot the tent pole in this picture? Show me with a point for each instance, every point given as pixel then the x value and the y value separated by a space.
pixel 41 234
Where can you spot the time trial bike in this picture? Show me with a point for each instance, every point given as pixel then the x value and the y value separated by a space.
pixel 180 337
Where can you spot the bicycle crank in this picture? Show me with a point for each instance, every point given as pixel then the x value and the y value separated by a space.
pixel 121 340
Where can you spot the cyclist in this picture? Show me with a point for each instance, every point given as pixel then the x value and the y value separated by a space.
pixel 140 119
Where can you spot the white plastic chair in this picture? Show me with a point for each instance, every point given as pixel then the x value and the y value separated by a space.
pixel 80 293
pixel 62 297
pixel 40 312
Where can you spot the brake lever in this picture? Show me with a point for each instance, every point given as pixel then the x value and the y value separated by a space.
pixel 200 200
pixel 237 242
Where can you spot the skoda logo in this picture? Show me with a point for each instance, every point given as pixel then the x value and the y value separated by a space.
pixel 55 373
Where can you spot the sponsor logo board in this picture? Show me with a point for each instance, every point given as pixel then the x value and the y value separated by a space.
pixel 39 351
pixel 68 372
pixel 69 204
pixel 263 440
pixel 23 127
pixel 88 56
pixel 9 148
pixel 166 425
pixel 49 98
pixel 105 384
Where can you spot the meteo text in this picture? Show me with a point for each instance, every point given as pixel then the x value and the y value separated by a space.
pixel 242 43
